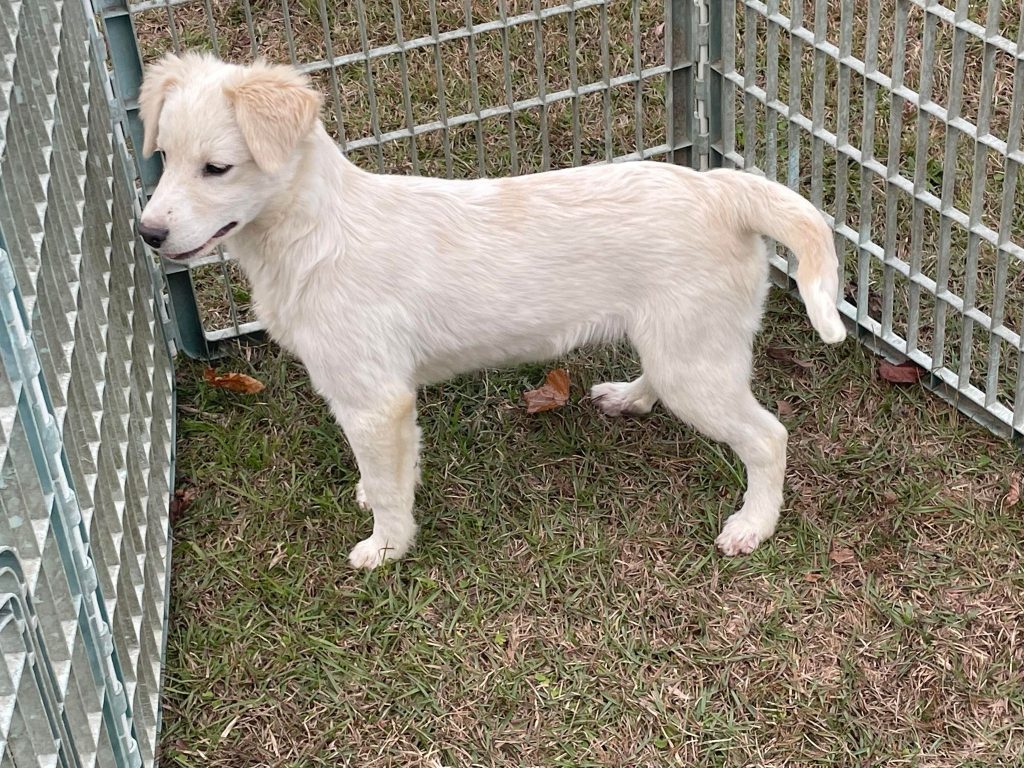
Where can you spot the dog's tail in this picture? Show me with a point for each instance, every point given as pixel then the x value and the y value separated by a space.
pixel 768 208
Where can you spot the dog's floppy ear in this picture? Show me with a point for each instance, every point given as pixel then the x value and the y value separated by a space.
pixel 160 77
pixel 275 108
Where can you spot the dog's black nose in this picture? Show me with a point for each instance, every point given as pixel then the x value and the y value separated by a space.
pixel 154 236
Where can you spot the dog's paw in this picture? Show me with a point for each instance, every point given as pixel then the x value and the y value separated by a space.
pixel 371 552
pixel 361 496
pixel 741 534
pixel 616 398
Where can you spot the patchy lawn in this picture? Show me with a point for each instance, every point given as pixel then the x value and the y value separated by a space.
pixel 565 605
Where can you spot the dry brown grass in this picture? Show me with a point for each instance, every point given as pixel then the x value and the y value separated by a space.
pixel 943 162
pixel 564 606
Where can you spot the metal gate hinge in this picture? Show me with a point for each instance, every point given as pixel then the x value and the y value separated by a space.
pixel 701 85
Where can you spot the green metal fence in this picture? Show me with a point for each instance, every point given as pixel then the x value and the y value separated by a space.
pixel 900 119
pixel 86 409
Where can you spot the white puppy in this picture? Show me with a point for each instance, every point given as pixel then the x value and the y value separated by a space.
pixel 381 284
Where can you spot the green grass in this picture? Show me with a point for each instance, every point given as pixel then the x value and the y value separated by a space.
pixel 602 125
pixel 607 125
pixel 565 605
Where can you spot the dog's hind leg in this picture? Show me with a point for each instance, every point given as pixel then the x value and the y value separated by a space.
pixel 624 398
pixel 385 441
pixel 704 380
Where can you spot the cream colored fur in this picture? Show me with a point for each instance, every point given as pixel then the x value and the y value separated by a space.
pixel 381 284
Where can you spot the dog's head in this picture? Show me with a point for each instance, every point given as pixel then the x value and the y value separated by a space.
pixel 230 138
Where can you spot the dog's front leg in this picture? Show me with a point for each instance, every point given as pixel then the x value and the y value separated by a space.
pixel 385 440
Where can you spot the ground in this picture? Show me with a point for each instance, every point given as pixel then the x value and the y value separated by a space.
pixel 565 605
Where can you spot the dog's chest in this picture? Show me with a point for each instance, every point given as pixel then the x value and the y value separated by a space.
pixel 277 304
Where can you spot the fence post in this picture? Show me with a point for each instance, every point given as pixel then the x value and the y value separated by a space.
pixel 712 62
pixel 183 325
pixel 680 91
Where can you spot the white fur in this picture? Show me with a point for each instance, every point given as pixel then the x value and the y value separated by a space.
pixel 381 284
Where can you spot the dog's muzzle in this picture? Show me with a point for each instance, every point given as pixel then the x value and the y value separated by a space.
pixel 179 256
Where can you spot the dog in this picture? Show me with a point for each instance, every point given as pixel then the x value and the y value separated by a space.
pixel 380 284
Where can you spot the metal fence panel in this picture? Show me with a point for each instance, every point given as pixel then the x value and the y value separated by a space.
pixel 902 120
pixel 447 88
pixel 86 409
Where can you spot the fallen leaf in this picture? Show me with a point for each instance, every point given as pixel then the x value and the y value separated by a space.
pixel 679 693
pixel 553 394
pixel 788 356
pixel 904 373
pixel 181 501
pixel 1013 496
pixel 874 300
pixel 842 556
pixel 236 382
pixel 785 408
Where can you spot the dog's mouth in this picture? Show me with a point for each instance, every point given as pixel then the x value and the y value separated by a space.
pixel 204 247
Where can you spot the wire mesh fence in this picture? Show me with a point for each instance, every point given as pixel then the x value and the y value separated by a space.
pixel 451 88
pixel 898 118
pixel 901 119
pixel 86 409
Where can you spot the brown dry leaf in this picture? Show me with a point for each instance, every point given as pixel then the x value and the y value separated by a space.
pixel 785 408
pixel 236 382
pixel 181 501
pixel 788 356
pixel 553 394
pixel 904 373
pixel 874 300
pixel 1013 495
pixel 842 556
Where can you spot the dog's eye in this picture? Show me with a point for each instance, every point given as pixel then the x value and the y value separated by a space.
pixel 212 169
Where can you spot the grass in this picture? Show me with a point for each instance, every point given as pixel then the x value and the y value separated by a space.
pixel 915 147
pixel 568 132
pixel 365 100
pixel 565 605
